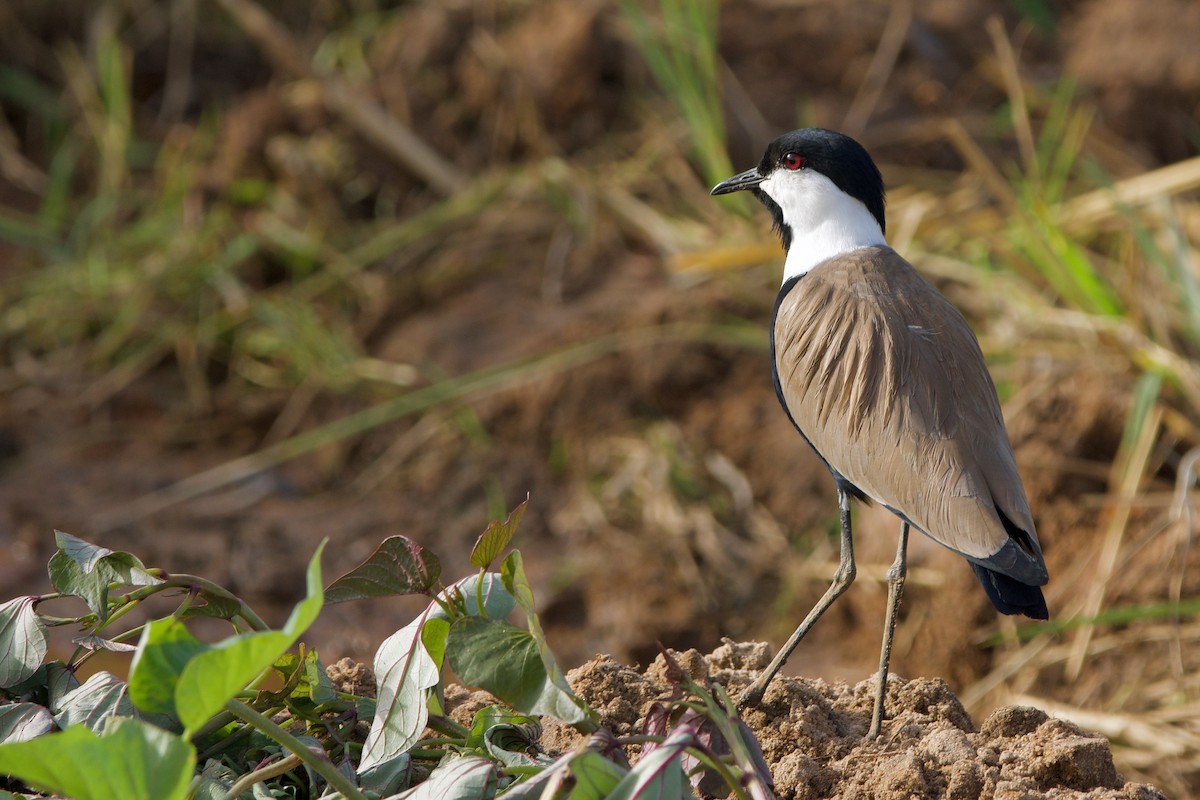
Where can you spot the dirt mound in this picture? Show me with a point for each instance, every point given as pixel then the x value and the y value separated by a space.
pixel 812 735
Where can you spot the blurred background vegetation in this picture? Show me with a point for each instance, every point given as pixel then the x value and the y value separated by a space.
pixel 271 271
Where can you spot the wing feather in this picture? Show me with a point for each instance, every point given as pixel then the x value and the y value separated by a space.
pixel 887 381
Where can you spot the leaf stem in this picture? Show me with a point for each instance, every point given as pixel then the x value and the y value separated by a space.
pixel 319 763
pixel 219 721
pixel 193 582
pixel 710 760
pixel 447 726
pixel 274 769
pixel 479 592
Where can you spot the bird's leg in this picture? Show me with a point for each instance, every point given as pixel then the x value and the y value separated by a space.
pixel 841 582
pixel 895 579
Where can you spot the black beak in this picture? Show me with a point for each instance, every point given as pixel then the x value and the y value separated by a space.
pixel 747 180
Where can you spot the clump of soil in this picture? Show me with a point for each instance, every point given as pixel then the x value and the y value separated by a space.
pixel 812 734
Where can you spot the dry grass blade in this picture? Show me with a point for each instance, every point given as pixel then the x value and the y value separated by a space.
pixel 464 387
pixel 1013 86
pixel 177 84
pixel 679 45
pixel 722 258
pixel 1028 656
pixel 1128 472
pixel 1184 523
pixel 978 162
pixel 107 118
pixel 1086 210
pixel 882 63
pixel 360 112
pixel 15 167
pixel 641 219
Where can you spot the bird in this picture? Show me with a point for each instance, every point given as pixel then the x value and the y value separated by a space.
pixel 886 381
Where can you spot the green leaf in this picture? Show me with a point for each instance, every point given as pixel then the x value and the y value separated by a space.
pixel 408 665
pixel 45 686
pixel 213 605
pixel 493 655
pixel 22 641
pixel 498 603
pixel 595 776
pixel 100 643
pixel 404 674
pixel 509 738
pixel 86 555
pixel 388 776
pixel 738 739
pixel 490 717
pixel 398 566
pixel 512 573
pixel 214 782
pixel 214 676
pixel 497 536
pixel 217 674
pixel 68 577
pixel 589 773
pixel 21 722
pixel 102 696
pixel 313 682
pixel 515 744
pixel 132 760
pixel 86 570
pixel 126 567
pixel 433 638
pixel 465 778
pixel 60 681
pixel 165 649
pixel 659 773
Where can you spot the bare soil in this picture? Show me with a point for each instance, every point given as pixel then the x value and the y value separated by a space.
pixel 812 735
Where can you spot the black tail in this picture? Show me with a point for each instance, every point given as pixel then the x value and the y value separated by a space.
pixel 1010 596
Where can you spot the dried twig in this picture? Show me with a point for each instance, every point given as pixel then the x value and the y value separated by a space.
pixel 1100 204
pixel 362 113
pixel 882 63
pixel 1015 89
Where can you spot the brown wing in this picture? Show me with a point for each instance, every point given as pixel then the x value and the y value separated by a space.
pixel 887 381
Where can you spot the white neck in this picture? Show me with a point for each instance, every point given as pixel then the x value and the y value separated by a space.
pixel 828 240
pixel 825 221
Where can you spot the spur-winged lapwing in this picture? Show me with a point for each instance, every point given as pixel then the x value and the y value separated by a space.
pixel 884 379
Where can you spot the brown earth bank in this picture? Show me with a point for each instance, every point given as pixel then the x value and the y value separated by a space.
pixel 812 734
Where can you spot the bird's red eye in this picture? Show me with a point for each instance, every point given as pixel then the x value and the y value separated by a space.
pixel 793 161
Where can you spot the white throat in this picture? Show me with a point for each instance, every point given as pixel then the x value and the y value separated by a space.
pixel 825 221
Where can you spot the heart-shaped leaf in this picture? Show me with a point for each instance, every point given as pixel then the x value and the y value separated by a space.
pixel 22 641
pixel 404 673
pixel 20 722
pixel 214 676
pixel 497 536
pixel 498 657
pixel 102 696
pixel 398 566
pixel 132 760
pixel 86 570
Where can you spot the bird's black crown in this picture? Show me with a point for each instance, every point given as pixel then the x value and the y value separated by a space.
pixel 836 156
